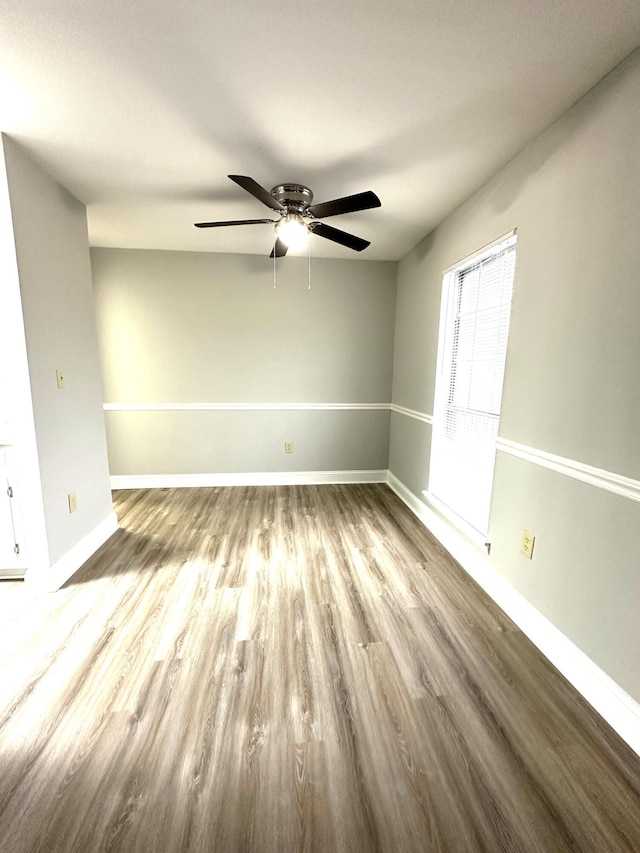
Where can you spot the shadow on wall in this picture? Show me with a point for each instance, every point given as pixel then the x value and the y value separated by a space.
pixel 500 192
pixel 507 187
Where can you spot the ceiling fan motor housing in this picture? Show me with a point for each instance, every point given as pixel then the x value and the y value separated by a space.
pixel 295 197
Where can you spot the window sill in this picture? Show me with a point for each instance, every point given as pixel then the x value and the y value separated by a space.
pixel 481 540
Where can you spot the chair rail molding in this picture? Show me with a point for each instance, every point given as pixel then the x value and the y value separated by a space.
pixel 244 407
pixel 412 413
pixel 625 487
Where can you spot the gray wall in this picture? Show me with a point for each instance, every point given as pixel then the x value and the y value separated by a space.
pixel 571 385
pixel 195 328
pixel 16 408
pixel 52 251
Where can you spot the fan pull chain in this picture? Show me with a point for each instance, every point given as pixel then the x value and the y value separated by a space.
pixel 275 237
pixel 309 255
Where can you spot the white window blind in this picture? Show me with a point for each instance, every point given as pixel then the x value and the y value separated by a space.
pixel 474 326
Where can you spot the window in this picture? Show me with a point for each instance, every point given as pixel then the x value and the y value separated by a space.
pixel 474 325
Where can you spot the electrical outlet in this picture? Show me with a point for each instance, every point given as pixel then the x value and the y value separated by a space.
pixel 288 447
pixel 527 543
pixel 60 378
pixel 73 501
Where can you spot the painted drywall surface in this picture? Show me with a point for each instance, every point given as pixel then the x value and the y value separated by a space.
pixel 179 327
pixel 52 252
pixel 16 406
pixel 230 442
pixel 585 561
pixel 409 449
pixel 571 385
pixel 414 354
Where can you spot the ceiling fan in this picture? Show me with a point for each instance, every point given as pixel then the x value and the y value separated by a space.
pixel 298 215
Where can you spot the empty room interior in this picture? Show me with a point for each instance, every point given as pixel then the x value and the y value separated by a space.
pixel 324 545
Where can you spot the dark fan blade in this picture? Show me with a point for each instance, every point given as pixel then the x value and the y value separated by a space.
pixel 256 190
pixel 348 204
pixel 233 222
pixel 279 249
pixel 348 240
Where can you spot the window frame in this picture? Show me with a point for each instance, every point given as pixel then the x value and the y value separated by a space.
pixel 450 280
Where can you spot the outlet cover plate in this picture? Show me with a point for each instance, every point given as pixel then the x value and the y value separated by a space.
pixel 527 543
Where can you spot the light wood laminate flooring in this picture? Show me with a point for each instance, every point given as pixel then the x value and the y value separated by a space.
pixel 291 669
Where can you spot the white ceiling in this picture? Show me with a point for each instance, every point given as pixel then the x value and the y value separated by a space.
pixel 142 108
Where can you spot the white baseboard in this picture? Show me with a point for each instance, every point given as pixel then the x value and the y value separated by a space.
pixel 268 478
pixel 76 557
pixel 12 574
pixel 601 692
